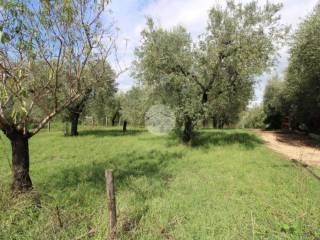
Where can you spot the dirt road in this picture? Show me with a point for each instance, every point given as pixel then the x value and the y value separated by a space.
pixel 294 146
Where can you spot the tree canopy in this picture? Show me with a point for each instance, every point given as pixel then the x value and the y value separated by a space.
pixel 216 74
pixel 45 49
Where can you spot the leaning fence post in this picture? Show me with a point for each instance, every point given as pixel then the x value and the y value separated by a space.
pixel 111 203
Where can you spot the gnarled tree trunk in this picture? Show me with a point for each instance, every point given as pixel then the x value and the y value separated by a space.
pixel 20 163
pixel 75 111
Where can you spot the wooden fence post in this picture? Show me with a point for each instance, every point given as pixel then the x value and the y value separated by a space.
pixel 111 203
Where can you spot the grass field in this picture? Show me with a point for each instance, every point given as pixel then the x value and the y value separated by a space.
pixel 227 186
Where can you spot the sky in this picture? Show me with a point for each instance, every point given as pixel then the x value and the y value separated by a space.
pixel 130 18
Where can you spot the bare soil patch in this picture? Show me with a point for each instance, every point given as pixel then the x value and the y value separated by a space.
pixel 294 146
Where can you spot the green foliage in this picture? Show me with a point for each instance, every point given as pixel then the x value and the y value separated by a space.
pixel 214 77
pixel 163 61
pixel 297 98
pixel 228 186
pixel 273 103
pixel 44 51
pixel 113 109
pixel 239 44
pixel 102 84
pixel 134 105
pixel 252 118
pixel 303 74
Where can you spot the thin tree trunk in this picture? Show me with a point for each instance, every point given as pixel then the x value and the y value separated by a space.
pixel 214 123
pixel 204 100
pixel 188 131
pixel 74 123
pixel 114 119
pixel 124 129
pixel 75 110
pixel 205 123
pixel 221 123
pixel 20 163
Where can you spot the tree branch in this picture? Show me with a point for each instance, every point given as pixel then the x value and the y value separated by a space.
pixel 51 115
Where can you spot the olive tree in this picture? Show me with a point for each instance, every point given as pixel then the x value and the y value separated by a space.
pixel 164 61
pixel 99 87
pixel 59 37
pixel 101 99
pixel 240 43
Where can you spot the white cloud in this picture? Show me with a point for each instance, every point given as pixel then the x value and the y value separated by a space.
pixel 192 14
pixel 189 13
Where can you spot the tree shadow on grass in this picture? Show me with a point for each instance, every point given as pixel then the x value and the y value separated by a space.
pixel 110 132
pixel 151 164
pixel 307 168
pixel 144 174
pixel 222 138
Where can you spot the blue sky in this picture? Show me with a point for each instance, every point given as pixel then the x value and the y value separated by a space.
pixel 130 16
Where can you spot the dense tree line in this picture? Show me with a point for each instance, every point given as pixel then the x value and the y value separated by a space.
pixel 54 60
pixel 295 100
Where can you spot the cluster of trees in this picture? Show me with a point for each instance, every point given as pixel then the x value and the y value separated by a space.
pixel 134 105
pixel 99 91
pixel 295 100
pixel 212 78
pixel 53 58
pixel 112 108
pixel 97 100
